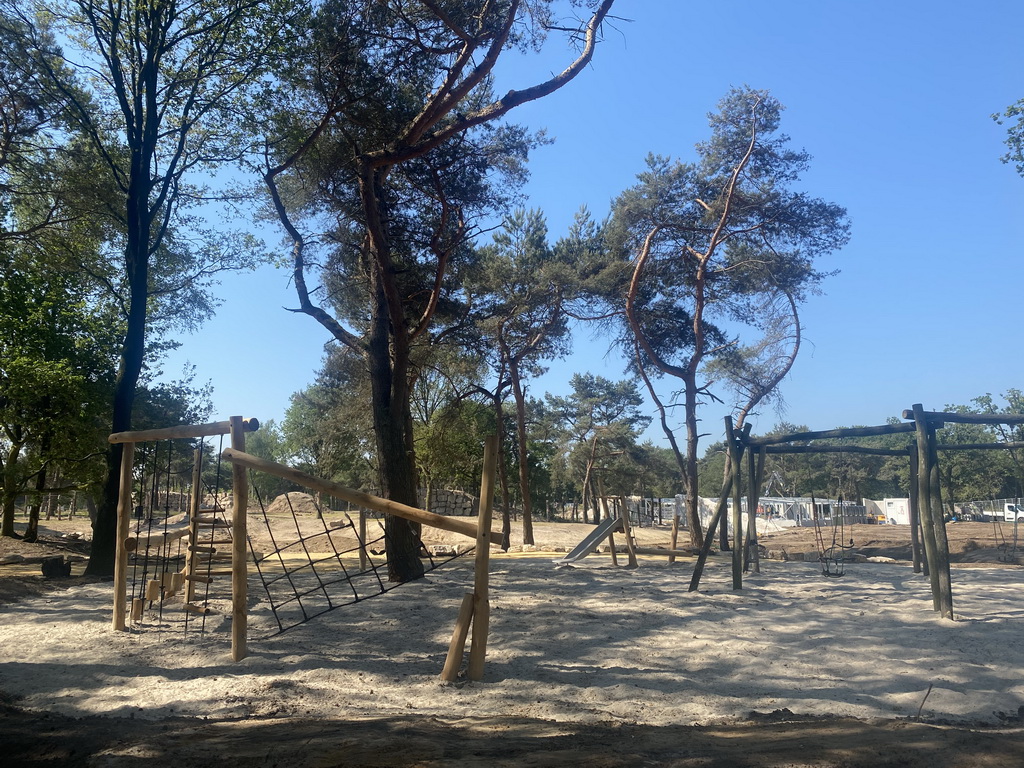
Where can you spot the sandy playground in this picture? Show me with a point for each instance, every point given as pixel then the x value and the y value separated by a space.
pixel 588 663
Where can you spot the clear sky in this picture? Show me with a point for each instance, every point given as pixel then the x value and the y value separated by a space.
pixel 893 101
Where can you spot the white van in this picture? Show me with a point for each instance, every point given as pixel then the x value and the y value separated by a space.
pixel 1013 513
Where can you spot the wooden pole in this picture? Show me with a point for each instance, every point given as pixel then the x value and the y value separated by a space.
pixel 924 503
pixel 457 646
pixel 709 538
pixel 358 498
pixel 364 561
pixel 239 541
pixel 481 589
pixel 602 507
pixel 737 510
pixel 915 512
pixel 675 532
pixel 193 521
pixel 124 512
pixel 939 524
pixel 184 430
pixel 756 476
pixel 627 532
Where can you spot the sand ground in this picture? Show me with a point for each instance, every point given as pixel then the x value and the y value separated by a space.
pixel 589 664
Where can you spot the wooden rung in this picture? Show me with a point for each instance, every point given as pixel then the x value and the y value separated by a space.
pixel 197 577
pixel 202 610
pixel 217 541
pixel 207 510
pixel 213 524
pixel 197 548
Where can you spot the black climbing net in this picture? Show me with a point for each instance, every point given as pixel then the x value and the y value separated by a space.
pixel 320 560
pixel 177 555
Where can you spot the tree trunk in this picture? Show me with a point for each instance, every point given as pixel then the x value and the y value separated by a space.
pixel 690 473
pixel 32 530
pixel 506 520
pixel 10 489
pixel 133 349
pixel 387 357
pixel 524 470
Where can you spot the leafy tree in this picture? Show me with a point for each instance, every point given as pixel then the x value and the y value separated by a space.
pixel 599 421
pixel 167 81
pixel 327 429
pixel 522 319
pixel 392 135
pixel 710 245
pixel 56 371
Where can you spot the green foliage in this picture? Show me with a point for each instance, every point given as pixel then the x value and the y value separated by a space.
pixel 1014 115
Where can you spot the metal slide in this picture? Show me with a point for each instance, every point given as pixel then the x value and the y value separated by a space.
pixel 593 540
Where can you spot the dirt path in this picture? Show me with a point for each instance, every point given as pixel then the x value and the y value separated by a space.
pixel 770 741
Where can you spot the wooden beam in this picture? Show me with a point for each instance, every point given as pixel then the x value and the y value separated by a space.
pixel 967 418
pixel 182 431
pixel 884 429
pixel 861 449
pixel 377 504
pixel 978 446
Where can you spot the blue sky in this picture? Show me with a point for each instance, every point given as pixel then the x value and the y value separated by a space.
pixel 892 100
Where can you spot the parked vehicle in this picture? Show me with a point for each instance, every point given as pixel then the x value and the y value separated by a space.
pixel 1013 513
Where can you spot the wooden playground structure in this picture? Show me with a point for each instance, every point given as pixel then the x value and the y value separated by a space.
pixel 926 510
pixel 208 529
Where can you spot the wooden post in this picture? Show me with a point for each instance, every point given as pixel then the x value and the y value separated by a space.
pixel 239 572
pixel 627 532
pixel 481 597
pixel 196 503
pixel 737 511
pixel 752 558
pixel 364 561
pixel 915 512
pixel 457 646
pixel 602 507
pixel 124 512
pixel 924 503
pixel 945 581
pixel 716 520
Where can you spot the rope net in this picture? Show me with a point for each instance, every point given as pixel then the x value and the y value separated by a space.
pixel 318 559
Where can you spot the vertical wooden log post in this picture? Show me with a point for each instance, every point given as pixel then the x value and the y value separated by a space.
pixel 627 532
pixel 752 559
pixel 737 505
pixel 939 524
pixel 196 503
pixel 674 540
pixel 124 513
pixel 924 503
pixel 364 561
pixel 604 513
pixel 915 512
pixel 481 588
pixel 239 572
